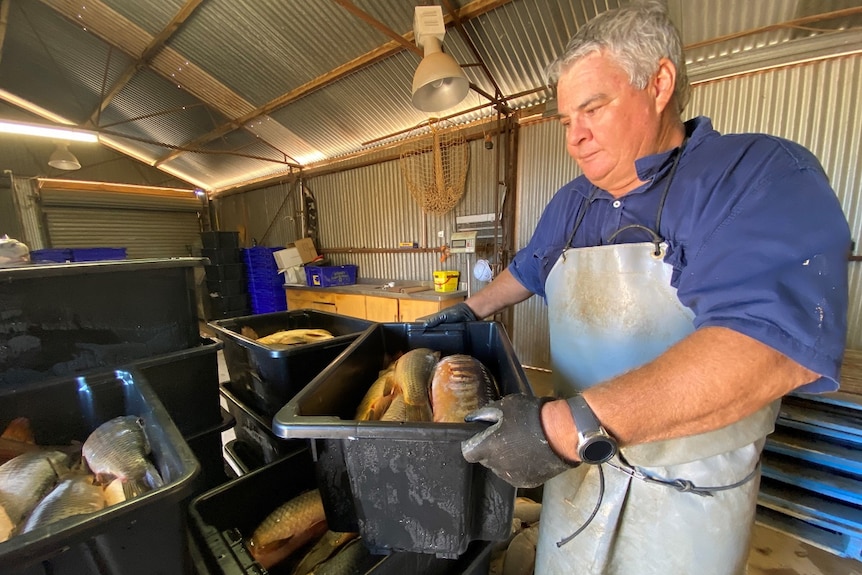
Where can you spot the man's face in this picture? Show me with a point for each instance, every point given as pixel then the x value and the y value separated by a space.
pixel 609 124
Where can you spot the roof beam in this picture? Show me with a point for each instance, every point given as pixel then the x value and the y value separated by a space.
pixel 472 10
pixel 155 45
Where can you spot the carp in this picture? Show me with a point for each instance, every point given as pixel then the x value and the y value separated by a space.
pixel 76 495
pixel 119 449
pixel 287 528
pixel 412 375
pixel 460 384
pixel 295 337
pixel 26 479
pixel 378 397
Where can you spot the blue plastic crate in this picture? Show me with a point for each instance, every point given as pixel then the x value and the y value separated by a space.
pixel 59 255
pixel 97 254
pixel 260 256
pixel 327 276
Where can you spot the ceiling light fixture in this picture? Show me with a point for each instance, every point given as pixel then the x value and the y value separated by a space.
pixel 9 127
pixel 63 159
pixel 439 82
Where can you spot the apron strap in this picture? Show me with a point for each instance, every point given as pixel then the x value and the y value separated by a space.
pixel 681 485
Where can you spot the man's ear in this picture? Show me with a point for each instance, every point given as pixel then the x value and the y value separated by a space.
pixel 663 84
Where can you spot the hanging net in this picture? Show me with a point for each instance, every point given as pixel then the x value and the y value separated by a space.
pixel 435 167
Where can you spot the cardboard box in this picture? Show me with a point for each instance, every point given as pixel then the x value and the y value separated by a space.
pixel 296 254
pixel 294 275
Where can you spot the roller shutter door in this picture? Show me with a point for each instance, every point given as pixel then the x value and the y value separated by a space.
pixel 154 223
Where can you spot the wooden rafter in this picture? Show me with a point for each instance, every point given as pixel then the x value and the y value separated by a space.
pixel 468 12
pixel 155 45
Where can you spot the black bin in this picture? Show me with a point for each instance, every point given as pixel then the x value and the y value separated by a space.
pixel 266 377
pixel 404 486
pixel 222 517
pixel 139 536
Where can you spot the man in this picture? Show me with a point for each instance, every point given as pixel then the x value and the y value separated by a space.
pixel 692 280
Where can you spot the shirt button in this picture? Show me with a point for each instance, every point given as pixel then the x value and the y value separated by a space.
pixel 617 203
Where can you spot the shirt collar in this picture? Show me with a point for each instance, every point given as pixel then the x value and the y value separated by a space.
pixel 648 167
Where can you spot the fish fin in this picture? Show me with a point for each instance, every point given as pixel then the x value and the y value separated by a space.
pixel 135 487
pixel 273 553
pixel 414 413
pixel 153 477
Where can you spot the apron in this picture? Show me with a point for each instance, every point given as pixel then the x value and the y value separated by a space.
pixel 611 308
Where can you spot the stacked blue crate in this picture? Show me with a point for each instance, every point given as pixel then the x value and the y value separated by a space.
pixel 265 285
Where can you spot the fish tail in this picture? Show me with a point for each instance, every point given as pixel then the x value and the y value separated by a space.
pixel 135 487
pixel 417 412
pixel 153 478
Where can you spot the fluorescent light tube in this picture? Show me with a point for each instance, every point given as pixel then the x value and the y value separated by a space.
pixel 47 131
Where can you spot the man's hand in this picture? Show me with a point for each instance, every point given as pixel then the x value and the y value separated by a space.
pixel 514 447
pixel 460 312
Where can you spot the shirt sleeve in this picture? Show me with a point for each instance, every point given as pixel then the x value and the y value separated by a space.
pixel 775 268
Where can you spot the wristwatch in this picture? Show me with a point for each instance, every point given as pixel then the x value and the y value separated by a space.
pixel 594 444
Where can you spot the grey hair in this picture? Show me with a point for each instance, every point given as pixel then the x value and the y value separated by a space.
pixel 636 36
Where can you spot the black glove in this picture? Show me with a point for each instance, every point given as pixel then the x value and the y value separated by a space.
pixel 515 447
pixel 457 313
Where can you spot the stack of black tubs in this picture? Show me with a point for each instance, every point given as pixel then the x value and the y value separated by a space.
pixel 74 321
pixel 405 488
pixel 263 377
pixel 226 292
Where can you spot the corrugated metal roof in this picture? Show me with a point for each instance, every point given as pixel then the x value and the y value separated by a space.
pixel 312 81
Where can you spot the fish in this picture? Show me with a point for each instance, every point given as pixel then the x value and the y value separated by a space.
pixel 377 398
pixel 353 559
pixel 74 495
pixel 527 510
pixel 248 332
pixel 19 430
pixel 26 479
pixel 520 556
pixel 326 547
pixel 413 375
pixel 460 384
pixel 295 337
pixel 119 449
pixel 397 411
pixel 286 529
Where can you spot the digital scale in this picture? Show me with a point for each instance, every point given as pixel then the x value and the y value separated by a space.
pixel 464 243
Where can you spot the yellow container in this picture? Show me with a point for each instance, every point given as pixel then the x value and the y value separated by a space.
pixel 446 280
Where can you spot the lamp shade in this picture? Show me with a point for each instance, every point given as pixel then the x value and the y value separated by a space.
pixel 439 81
pixel 63 159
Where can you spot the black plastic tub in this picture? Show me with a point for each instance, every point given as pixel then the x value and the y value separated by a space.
pixel 217 239
pixel 242 458
pixel 255 429
pixel 187 384
pixel 266 377
pixel 207 447
pixel 67 319
pixel 144 535
pixel 221 518
pixel 404 486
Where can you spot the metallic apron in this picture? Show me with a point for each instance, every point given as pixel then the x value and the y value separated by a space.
pixel 611 309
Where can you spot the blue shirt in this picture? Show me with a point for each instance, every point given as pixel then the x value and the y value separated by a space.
pixel 756 237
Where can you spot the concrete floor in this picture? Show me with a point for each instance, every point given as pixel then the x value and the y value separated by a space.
pixel 772 552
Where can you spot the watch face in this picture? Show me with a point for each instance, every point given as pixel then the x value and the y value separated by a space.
pixel 598 449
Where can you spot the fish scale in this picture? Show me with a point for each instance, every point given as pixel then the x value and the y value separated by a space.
pixel 119 448
pixel 25 479
pixel 460 384
pixel 73 496
pixel 413 374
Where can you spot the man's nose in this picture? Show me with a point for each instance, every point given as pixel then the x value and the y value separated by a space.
pixel 576 133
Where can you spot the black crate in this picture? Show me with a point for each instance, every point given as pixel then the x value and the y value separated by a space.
pixel 143 535
pixel 220 305
pixel 67 319
pixel 187 384
pixel 207 447
pixel 226 287
pixel 255 429
pixel 221 518
pixel 242 457
pixel 225 272
pixel 222 256
pixel 461 502
pixel 266 377
pixel 215 240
